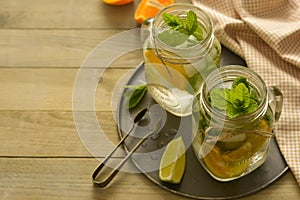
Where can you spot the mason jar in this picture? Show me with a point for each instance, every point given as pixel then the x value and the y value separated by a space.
pixel 231 147
pixel 177 63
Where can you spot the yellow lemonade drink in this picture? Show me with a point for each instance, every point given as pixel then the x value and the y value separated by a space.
pixel 233 118
pixel 232 154
pixel 176 63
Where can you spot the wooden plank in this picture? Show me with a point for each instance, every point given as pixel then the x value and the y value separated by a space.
pixel 65 14
pixel 70 179
pixel 52 89
pixel 53 133
pixel 56 48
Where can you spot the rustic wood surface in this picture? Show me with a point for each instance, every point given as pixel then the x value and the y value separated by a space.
pixel 42 46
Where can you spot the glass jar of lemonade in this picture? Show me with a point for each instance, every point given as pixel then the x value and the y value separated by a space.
pixel 233 115
pixel 179 53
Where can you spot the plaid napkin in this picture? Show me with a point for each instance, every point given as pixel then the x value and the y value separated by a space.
pixel 267 35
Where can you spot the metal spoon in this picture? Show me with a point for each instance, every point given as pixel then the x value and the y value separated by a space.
pixel 138 118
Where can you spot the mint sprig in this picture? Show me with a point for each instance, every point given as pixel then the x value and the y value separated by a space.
pixel 238 100
pixel 187 26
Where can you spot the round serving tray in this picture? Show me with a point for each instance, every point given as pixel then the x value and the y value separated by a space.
pixel 196 182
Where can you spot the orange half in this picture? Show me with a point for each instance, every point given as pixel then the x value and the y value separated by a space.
pixel 149 8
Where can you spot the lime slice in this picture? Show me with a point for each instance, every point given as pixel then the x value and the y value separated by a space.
pixel 172 163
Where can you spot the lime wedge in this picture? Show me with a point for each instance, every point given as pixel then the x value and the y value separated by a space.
pixel 172 163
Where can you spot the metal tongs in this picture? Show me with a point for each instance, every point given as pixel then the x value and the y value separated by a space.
pixel 142 115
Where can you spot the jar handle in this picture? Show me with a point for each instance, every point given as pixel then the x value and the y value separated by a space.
pixel 275 101
pixel 145 28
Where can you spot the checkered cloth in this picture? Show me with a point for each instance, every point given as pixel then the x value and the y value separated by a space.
pixel 266 33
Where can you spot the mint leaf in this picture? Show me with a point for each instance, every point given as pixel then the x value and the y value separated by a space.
pixel 218 98
pixel 172 38
pixel 175 23
pixel 240 80
pixel 172 21
pixel 253 96
pixel 194 82
pixel 182 30
pixel 240 96
pixel 232 112
pixel 198 33
pixel 252 107
pixel 191 22
pixel 135 95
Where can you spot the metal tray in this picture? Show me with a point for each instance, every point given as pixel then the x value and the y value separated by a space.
pixel 196 182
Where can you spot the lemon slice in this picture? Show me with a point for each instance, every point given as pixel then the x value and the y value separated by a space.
pixel 172 163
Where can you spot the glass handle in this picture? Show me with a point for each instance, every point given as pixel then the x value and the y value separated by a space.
pixel 145 28
pixel 275 101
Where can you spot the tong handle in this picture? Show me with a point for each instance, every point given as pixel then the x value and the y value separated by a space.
pixel 114 171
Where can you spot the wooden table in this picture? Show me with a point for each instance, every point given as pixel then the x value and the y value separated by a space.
pixel 42 46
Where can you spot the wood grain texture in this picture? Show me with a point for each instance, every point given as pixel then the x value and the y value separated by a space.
pixel 52 89
pixel 53 134
pixel 55 48
pixel 65 14
pixel 48 149
pixel 70 179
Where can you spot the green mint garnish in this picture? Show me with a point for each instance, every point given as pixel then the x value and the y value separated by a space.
pixel 238 100
pixel 181 29
pixel 135 94
pixel 240 80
